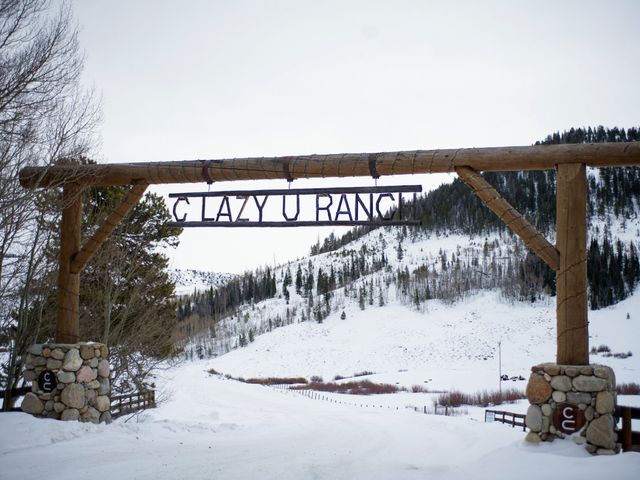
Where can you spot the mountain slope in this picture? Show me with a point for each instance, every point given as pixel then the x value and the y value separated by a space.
pixel 187 281
pixel 446 347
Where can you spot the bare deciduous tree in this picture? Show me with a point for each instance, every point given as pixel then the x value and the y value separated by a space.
pixel 44 117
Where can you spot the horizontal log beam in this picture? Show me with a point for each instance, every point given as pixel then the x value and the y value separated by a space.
pixel 511 217
pixel 539 157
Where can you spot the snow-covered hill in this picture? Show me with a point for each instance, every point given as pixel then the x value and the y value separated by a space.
pixel 443 343
pixel 445 347
pixel 437 346
pixel 189 280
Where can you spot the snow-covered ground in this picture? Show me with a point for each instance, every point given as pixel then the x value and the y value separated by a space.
pixel 212 428
pixel 209 427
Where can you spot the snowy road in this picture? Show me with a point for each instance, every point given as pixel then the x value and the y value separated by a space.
pixel 212 428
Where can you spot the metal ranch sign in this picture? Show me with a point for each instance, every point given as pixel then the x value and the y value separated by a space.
pixel 47 381
pixel 348 206
pixel 568 418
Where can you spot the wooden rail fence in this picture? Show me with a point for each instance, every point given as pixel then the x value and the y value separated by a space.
pixel 629 439
pixel 120 404
pixel 445 410
pixel 508 418
pixel 132 402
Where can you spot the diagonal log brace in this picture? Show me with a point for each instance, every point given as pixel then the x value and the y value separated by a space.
pixel 510 216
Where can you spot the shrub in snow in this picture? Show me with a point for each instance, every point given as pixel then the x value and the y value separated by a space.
pixel 628 389
pixel 600 349
pixel 277 380
pixel 482 399
pixel 419 389
pixel 364 387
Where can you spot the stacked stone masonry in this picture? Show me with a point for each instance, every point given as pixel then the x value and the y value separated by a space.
pixel 573 400
pixel 77 376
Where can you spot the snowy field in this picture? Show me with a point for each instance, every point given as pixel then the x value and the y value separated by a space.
pixel 209 427
pixel 212 428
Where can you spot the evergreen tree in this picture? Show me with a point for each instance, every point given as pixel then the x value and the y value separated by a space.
pixel 126 293
pixel 299 280
pixel 309 282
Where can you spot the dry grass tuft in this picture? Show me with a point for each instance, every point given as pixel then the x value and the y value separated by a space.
pixel 419 389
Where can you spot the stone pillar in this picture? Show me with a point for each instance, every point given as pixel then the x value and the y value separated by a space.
pixel 573 400
pixel 68 382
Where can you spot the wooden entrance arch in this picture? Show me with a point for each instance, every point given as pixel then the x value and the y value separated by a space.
pixel 568 257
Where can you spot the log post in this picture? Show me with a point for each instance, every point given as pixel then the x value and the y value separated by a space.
pixel 67 319
pixel 571 278
pixel 627 434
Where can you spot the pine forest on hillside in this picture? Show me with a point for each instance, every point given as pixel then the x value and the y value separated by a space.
pixel 367 265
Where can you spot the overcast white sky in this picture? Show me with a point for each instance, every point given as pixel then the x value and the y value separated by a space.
pixel 223 79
